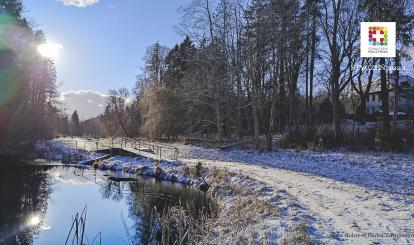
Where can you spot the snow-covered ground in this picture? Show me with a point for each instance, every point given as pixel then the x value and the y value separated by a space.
pixel 388 172
pixel 343 193
pixel 58 150
pixel 344 197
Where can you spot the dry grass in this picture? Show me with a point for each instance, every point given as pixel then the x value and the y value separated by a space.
pixel 179 225
pixel 236 217
pixel 297 235
pixel 245 211
pixel 241 221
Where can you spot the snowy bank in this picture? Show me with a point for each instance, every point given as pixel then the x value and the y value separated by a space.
pixel 249 211
pixel 164 170
pixel 389 172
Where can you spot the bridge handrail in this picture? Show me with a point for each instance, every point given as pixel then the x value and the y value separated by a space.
pixel 122 142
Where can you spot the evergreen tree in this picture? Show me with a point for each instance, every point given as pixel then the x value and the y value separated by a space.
pixel 75 124
pixel 27 84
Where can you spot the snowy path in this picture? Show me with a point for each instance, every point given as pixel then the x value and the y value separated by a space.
pixel 335 206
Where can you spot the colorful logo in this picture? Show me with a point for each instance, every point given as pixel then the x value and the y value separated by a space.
pixel 381 39
pixel 378 35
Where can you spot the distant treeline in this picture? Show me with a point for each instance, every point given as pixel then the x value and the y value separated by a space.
pixel 261 67
pixel 27 80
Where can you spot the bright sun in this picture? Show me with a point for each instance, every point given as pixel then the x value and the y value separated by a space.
pixel 33 220
pixel 49 50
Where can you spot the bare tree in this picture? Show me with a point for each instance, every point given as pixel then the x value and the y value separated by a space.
pixel 117 104
pixel 339 20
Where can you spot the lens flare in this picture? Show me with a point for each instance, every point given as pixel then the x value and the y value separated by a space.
pixel 13 40
pixel 33 220
pixel 49 50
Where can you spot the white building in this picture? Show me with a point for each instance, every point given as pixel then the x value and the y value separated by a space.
pixel 406 96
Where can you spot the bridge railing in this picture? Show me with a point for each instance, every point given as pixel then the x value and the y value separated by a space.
pixel 139 144
pixel 158 148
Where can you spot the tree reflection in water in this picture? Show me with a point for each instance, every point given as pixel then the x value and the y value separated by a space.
pixel 24 193
pixel 147 199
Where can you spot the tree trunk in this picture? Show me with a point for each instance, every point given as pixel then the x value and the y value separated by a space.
pixel 239 118
pixel 218 120
pixel 255 115
pixel 311 70
pixel 362 112
pixel 255 122
pixel 282 98
pixel 396 91
pixel 336 117
pixel 384 99
pixel 271 121
pixel 307 89
pixel 292 101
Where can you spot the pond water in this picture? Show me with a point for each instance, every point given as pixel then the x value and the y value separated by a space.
pixel 39 202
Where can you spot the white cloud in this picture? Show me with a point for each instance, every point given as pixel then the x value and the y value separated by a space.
pixel 88 103
pixel 82 92
pixel 79 3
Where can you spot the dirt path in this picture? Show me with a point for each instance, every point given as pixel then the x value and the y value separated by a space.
pixel 338 207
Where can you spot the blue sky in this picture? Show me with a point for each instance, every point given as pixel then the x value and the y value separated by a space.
pixel 103 44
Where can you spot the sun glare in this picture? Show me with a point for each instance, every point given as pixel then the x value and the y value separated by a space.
pixel 49 50
pixel 33 220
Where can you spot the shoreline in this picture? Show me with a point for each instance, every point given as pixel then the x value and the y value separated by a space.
pixel 164 170
pixel 249 210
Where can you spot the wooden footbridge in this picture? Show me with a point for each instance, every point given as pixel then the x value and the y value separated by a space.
pixel 137 146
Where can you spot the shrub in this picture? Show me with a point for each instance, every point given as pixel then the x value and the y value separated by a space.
pixel 401 139
pixel 186 171
pixel 326 139
pixel 198 169
pixel 296 138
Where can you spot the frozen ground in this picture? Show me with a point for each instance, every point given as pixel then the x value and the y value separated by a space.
pixel 342 193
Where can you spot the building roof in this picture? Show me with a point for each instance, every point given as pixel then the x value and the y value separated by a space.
pixel 404 81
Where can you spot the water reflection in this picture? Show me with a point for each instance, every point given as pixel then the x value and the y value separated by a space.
pixel 24 193
pixel 40 202
pixel 147 199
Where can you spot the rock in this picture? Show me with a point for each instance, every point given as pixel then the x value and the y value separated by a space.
pixel 204 187
pixel 172 177
pixel 119 179
pixel 158 170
